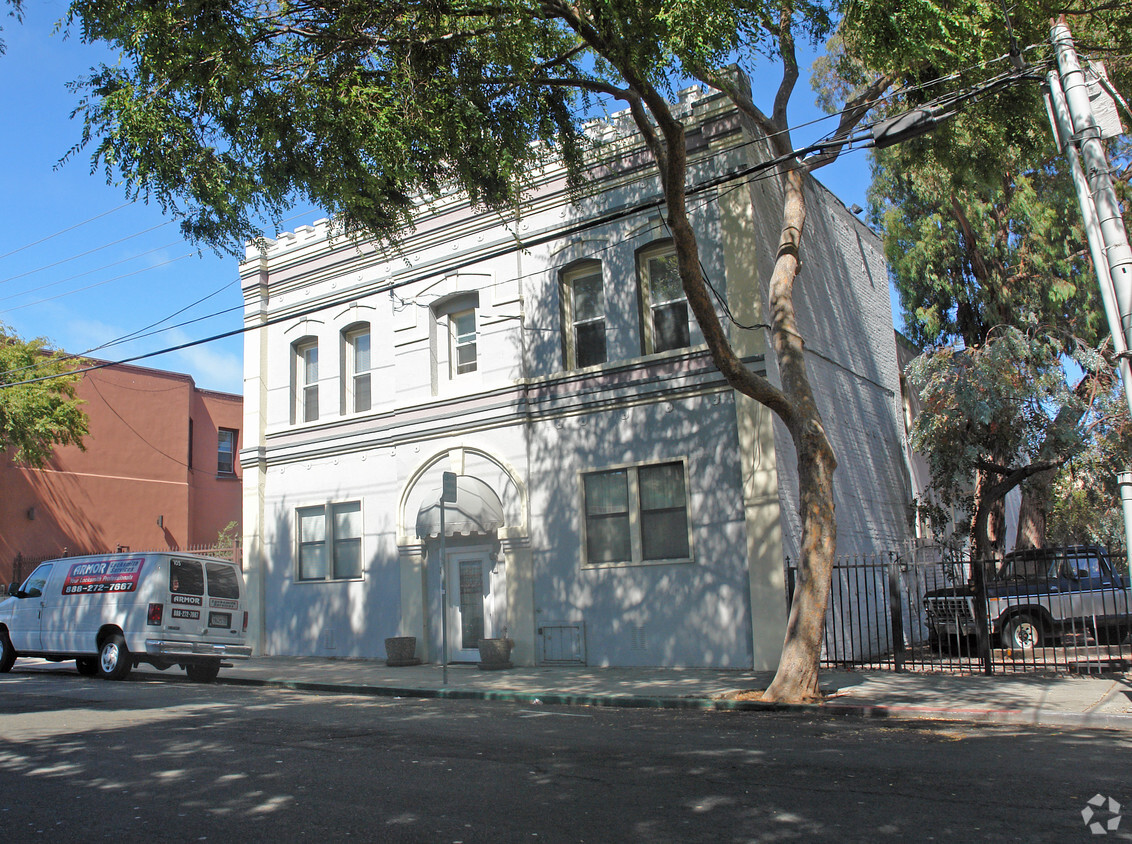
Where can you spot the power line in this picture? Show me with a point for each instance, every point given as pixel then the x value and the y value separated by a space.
pixel 64 231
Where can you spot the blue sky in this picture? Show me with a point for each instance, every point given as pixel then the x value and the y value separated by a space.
pixel 81 266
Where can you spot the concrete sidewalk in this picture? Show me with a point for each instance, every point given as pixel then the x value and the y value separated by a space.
pixel 1049 700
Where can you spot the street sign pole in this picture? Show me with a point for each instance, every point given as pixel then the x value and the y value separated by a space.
pixel 447 494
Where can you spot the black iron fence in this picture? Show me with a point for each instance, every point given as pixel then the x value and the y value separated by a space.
pixel 1065 610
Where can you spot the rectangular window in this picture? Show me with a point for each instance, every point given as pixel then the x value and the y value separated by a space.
pixel 223 581
pixel 312 543
pixel 463 327
pixel 347 525
pixel 358 343
pixel 584 306
pixel 307 388
pixel 607 517
pixel 186 577
pixel 664 306
pixel 226 451
pixel 330 542
pixel 637 515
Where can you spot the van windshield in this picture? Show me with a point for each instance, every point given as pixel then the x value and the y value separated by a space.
pixel 223 581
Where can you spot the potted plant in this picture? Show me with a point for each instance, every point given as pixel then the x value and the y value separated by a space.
pixel 496 653
pixel 401 650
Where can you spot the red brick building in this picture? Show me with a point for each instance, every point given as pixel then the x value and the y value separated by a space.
pixel 160 470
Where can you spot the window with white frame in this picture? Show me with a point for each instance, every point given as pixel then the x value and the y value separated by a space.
pixel 226 451
pixel 664 308
pixel 330 542
pixel 637 514
pixel 583 312
pixel 462 332
pixel 306 381
pixel 357 376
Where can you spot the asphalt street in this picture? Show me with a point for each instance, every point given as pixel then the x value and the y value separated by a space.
pixel 151 760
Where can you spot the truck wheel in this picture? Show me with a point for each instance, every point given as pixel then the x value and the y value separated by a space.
pixel 202 672
pixel 7 653
pixel 1022 633
pixel 87 665
pixel 113 658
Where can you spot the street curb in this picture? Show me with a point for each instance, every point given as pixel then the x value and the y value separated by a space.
pixel 866 711
pixel 531 698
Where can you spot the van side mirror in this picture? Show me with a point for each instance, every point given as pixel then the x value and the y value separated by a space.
pixel 14 590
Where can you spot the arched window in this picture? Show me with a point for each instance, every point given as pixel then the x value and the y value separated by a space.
pixel 356 379
pixel 664 309
pixel 583 315
pixel 305 380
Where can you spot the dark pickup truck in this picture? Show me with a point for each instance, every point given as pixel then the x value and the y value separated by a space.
pixel 1036 596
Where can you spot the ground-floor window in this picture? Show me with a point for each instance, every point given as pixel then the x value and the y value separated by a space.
pixel 330 541
pixel 637 514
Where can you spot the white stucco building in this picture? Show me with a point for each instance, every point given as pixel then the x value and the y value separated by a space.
pixel 619 504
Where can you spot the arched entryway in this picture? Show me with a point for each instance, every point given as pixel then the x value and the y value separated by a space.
pixel 487 561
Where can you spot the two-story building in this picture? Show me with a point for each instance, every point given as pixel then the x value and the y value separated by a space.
pixel 618 503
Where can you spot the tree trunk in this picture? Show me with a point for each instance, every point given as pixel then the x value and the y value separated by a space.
pixel 797 675
pixel 1033 514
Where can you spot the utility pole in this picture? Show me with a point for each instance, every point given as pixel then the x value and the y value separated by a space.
pixel 1076 130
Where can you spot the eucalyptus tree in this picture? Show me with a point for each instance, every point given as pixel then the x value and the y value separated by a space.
pixel 982 231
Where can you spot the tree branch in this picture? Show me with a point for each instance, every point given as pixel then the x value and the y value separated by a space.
pixel 851 116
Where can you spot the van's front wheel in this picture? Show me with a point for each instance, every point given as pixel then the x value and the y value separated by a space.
pixel 113 658
pixel 87 665
pixel 203 672
pixel 7 653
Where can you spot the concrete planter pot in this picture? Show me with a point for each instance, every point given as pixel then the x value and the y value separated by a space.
pixel 495 654
pixel 401 650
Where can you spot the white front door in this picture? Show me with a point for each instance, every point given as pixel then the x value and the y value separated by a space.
pixel 470 604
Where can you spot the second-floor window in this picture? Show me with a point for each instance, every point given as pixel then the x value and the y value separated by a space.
pixel 583 304
pixel 226 451
pixel 306 376
pixel 462 327
pixel 358 395
pixel 664 308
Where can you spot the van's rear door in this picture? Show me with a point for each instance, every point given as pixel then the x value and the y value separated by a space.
pixel 186 598
pixel 225 616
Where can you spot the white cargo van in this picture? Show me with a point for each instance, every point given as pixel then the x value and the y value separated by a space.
pixel 111 612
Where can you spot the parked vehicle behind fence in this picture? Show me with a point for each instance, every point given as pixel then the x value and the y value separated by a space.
pixel 112 612
pixel 1035 598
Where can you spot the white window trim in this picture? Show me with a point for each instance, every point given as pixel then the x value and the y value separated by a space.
pixel 301 386
pixel 454 344
pixel 645 303
pixel 351 373
pixel 444 379
pixel 579 269
pixel 635 515
pixel 328 517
